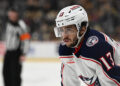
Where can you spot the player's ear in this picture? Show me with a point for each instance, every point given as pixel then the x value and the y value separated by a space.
pixel 83 24
pixel 83 28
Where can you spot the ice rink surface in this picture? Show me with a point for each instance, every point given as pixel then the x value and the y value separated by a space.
pixel 39 74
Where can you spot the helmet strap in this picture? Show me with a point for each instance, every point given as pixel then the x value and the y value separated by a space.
pixel 79 37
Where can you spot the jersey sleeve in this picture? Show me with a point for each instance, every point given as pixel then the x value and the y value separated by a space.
pixel 24 37
pixel 108 71
pixel 116 48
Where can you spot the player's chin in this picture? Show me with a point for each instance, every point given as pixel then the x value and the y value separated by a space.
pixel 69 44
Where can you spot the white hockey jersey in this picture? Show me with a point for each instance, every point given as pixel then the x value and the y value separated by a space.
pixel 95 61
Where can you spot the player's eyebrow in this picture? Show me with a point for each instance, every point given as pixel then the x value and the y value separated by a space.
pixel 70 26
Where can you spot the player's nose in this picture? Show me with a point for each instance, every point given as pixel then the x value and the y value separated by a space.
pixel 64 34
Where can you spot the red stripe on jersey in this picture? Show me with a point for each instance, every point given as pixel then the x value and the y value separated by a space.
pixel 105 36
pixel 89 60
pixel 70 62
pixel 77 49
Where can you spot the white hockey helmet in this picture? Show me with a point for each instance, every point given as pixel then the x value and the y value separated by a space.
pixel 71 15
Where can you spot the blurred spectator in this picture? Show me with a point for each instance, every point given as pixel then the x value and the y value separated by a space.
pixel 33 14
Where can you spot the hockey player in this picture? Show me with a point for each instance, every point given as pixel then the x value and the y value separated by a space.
pixel 85 53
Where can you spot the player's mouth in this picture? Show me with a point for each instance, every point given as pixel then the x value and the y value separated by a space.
pixel 66 40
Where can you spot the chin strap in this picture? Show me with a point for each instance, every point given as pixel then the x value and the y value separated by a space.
pixel 79 38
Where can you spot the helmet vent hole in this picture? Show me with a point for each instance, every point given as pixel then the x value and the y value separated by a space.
pixel 70 11
pixel 80 9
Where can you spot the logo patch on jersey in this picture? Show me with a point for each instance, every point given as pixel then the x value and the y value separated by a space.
pixel 86 79
pixel 92 41
pixel 90 81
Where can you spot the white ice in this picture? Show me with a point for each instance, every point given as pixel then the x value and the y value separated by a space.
pixel 39 74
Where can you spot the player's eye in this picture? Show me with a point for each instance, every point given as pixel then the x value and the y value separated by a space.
pixel 69 29
pixel 61 30
pixel 66 30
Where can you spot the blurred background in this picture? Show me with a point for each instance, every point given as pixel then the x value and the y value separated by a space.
pixel 39 15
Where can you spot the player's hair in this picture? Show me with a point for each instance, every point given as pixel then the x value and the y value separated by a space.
pixel 84 23
pixel 13 8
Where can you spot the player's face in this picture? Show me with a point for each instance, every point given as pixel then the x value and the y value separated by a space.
pixel 69 35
